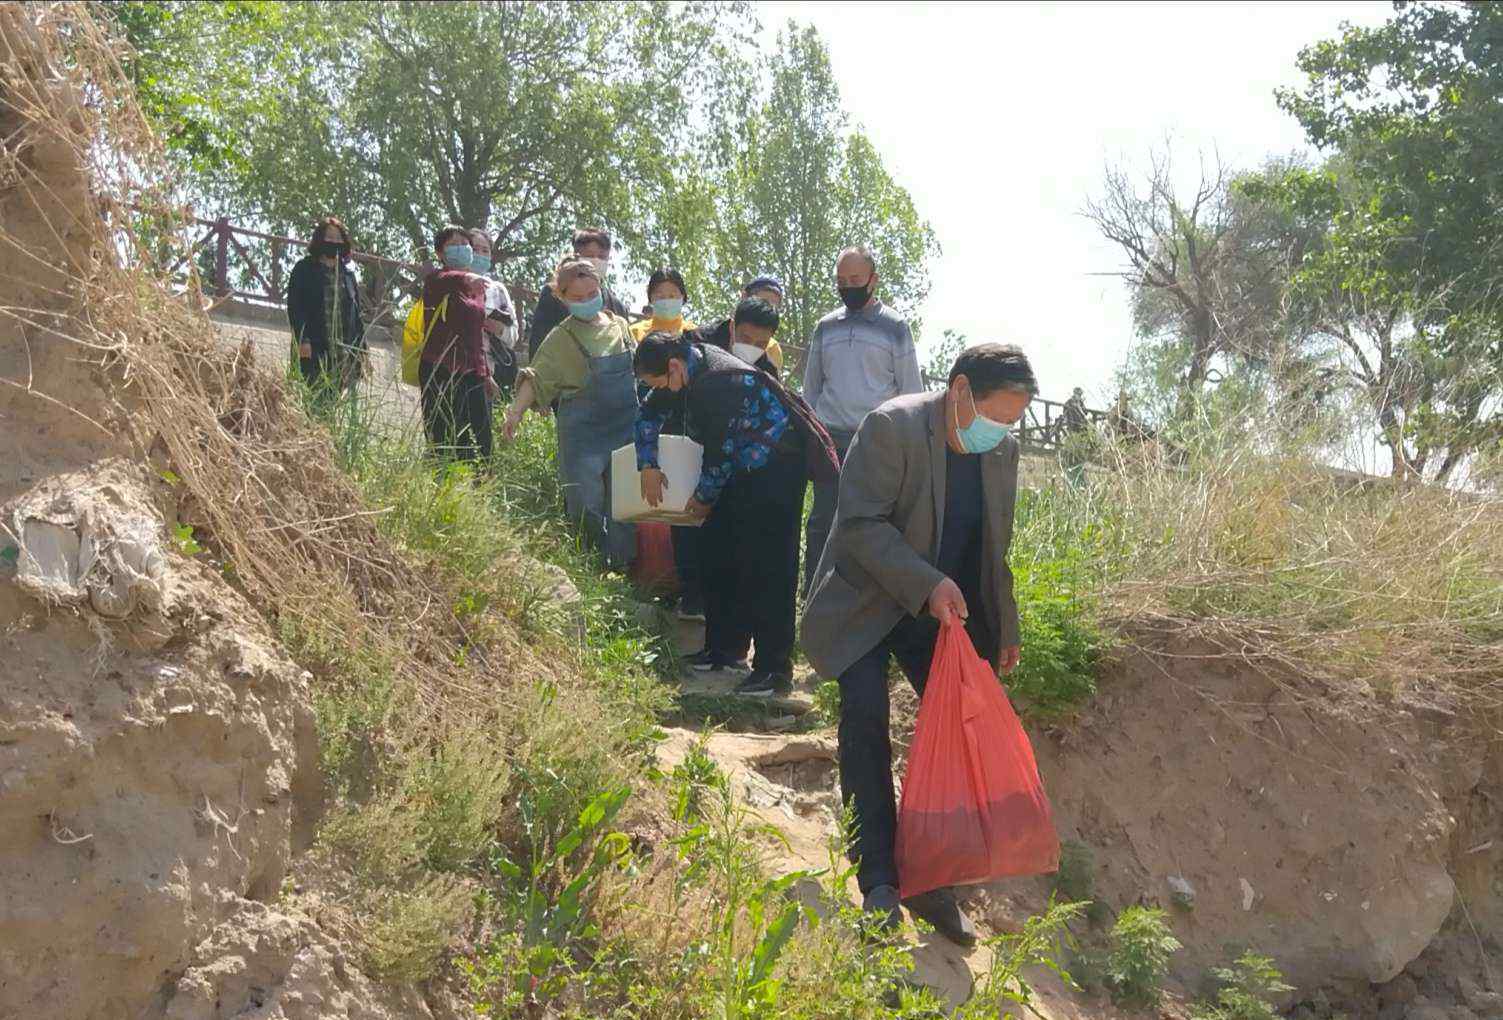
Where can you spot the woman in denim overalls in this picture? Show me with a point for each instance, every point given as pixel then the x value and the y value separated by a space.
pixel 585 364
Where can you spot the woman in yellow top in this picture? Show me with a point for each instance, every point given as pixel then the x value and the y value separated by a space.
pixel 585 364
pixel 666 294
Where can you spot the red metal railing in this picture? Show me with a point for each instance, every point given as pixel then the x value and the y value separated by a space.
pixel 382 277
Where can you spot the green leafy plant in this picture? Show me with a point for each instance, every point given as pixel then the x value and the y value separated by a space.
pixel 1054 578
pixel 535 959
pixel 1246 988
pixel 1075 881
pixel 1041 943
pixel 827 702
pixel 183 540
pixel 691 779
pixel 1141 945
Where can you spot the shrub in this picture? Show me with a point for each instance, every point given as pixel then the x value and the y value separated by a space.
pixel 1246 987
pixel 827 702
pixel 1141 945
pixel 1052 581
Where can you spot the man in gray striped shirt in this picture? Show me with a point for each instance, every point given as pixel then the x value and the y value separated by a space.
pixel 861 355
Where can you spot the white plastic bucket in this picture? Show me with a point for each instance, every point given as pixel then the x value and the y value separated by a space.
pixel 680 459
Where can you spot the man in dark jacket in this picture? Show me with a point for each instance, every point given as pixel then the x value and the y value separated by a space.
pixel 751 490
pixel 922 528
pixel 330 343
pixel 592 244
pixel 745 334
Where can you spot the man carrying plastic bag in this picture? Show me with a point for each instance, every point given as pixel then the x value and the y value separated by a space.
pixel 921 534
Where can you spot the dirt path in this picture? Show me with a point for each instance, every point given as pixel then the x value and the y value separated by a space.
pixel 780 758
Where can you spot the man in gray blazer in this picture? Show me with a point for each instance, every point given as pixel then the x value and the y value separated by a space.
pixel 921 533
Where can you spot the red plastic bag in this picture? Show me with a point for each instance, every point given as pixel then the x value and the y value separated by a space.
pixel 973 807
pixel 654 569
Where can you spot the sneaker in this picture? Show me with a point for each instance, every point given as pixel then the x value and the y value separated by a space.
pixel 762 684
pixel 692 607
pixel 940 909
pixel 881 906
pixel 706 661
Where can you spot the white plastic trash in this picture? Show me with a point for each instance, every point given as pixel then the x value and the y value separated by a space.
pixel 680 459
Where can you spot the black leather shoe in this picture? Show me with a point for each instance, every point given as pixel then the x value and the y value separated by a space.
pixel 940 909
pixel 881 904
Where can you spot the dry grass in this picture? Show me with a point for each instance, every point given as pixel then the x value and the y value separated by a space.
pixel 1368 586
pixel 431 700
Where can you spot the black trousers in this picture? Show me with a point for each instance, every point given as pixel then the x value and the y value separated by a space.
pixel 749 563
pixel 822 513
pixel 456 414
pixel 865 746
pixel 686 561
pixel 314 369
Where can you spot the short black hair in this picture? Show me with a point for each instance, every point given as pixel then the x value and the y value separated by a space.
pixel 755 311
pixel 656 350
pixel 663 274
pixel 592 235
pixel 764 282
pixel 445 232
pixel 992 366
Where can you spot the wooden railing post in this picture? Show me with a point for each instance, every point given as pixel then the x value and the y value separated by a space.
pixel 222 257
pixel 277 250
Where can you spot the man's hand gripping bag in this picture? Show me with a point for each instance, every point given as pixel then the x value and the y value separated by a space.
pixel 973 807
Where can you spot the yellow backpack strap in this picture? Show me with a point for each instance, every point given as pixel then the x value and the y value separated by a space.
pixel 441 312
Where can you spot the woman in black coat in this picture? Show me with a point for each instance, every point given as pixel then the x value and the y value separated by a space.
pixel 331 346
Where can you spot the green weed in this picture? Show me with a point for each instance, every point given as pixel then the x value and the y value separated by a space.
pixel 549 914
pixel 827 702
pixel 1141 945
pixel 184 542
pixel 1041 943
pixel 1246 987
pixel 1054 583
pixel 1075 881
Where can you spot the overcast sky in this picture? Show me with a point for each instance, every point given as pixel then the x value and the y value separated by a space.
pixel 999 118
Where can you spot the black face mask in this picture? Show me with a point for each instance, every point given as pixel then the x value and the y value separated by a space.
pixel 334 248
pixel 855 298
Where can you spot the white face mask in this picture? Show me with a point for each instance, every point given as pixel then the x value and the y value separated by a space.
pixel 748 353
pixel 601 266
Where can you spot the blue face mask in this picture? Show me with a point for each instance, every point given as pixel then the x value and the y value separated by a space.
pixel 982 435
pixel 667 308
pixel 587 310
pixel 458 256
pixel 480 264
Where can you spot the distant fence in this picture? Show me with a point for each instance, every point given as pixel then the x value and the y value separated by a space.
pixel 1042 428
pixel 251 266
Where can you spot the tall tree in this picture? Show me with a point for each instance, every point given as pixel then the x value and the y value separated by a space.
pixel 526 117
pixel 1423 363
pixel 1405 287
pixel 781 183
pixel 1206 271
pixel 660 121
